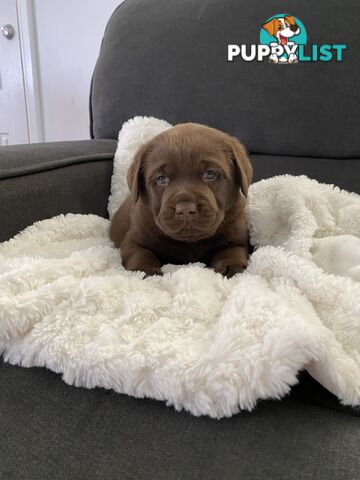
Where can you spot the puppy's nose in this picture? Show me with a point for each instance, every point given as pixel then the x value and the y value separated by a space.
pixel 185 209
pixel 293 28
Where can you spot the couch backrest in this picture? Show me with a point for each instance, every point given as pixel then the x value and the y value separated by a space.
pixel 168 58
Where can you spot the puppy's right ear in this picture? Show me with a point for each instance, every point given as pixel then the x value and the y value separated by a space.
pixel 270 26
pixel 135 175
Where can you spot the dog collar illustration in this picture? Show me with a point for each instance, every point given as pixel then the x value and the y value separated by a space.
pixel 283 40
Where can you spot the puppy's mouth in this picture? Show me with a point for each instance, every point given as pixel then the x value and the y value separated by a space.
pixel 189 231
pixel 283 40
pixel 188 235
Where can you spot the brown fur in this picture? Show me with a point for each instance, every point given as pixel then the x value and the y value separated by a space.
pixel 146 227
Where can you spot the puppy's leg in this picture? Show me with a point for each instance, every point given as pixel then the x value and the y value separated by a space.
pixel 230 260
pixel 137 258
pixel 274 58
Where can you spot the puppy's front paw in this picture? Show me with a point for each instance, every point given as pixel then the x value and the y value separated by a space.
pixel 151 271
pixel 228 267
pixel 142 260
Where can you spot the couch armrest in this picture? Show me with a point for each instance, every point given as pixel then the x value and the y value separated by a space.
pixel 41 180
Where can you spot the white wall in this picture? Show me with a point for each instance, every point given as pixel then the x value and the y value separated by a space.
pixel 69 34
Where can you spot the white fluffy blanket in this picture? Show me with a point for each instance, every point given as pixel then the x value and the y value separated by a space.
pixel 199 341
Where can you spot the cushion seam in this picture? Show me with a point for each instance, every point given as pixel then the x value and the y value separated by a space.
pixel 20 171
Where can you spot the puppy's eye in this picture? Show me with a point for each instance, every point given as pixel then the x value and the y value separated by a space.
pixel 209 175
pixel 280 27
pixel 162 180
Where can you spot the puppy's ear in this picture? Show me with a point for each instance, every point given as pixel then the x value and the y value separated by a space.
pixel 135 174
pixel 290 19
pixel 270 26
pixel 242 163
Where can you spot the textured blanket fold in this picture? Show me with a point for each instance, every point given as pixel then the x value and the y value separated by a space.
pixel 201 342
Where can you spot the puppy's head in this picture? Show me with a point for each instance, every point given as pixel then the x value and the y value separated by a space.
pixel 282 28
pixel 189 176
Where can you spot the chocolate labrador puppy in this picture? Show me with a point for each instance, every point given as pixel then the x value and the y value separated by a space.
pixel 188 192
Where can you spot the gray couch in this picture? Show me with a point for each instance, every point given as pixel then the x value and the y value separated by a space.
pixel 167 58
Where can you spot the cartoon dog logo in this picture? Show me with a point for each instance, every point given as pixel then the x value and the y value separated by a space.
pixel 283 29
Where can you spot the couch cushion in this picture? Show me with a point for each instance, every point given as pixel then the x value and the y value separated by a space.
pixel 52 430
pixel 168 59
pixel 345 173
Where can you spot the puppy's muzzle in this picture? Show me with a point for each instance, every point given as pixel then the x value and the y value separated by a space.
pixel 189 216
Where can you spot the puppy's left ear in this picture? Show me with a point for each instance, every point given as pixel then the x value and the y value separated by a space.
pixel 242 163
pixel 290 19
